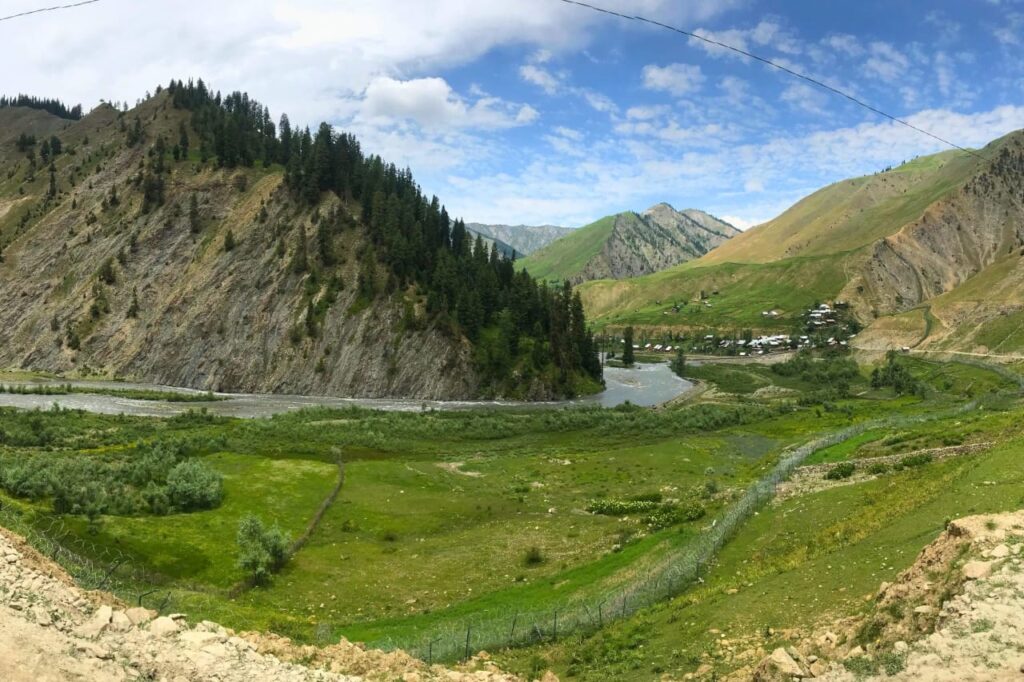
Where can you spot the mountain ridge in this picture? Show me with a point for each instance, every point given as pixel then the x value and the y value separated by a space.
pixel 630 244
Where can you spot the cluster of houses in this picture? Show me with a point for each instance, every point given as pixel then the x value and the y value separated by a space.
pixel 821 316
pixel 656 348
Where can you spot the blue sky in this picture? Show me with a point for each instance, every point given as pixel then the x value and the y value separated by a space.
pixel 534 111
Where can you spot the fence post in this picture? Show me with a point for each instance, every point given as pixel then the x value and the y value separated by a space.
pixel 555 628
pixel 468 628
pixel 430 652
pixel 512 632
pixel 600 615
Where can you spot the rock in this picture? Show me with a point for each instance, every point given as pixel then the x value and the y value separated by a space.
pixel 704 670
pixel 198 639
pixel 94 650
pixel 97 624
pixel 1000 552
pixel 976 570
pixel 901 647
pixel 828 639
pixel 549 677
pixel 138 615
pixel 923 609
pixel 164 626
pixel 817 669
pixel 855 652
pixel 120 622
pixel 779 665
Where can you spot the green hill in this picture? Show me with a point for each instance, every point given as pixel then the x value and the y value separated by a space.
pixel 886 243
pixel 629 245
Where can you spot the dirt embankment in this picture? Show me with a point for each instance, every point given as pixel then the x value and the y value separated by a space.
pixel 52 631
pixel 956 614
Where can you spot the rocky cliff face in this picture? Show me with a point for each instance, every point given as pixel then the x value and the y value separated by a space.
pixel 955 238
pixel 659 238
pixel 94 283
pixel 525 239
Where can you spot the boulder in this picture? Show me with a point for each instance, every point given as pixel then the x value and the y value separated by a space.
pixel 1000 552
pixel 119 622
pixel 138 615
pixel 164 626
pixel 97 624
pixel 976 570
pixel 777 666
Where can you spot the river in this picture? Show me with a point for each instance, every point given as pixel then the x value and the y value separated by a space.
pixel 645 385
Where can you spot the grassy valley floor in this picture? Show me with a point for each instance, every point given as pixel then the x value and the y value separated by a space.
pixel 449 522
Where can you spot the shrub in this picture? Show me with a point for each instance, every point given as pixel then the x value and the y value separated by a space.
pixel 914 461
pixel 533 557
pixel 841 471
pixel 191 484
pixel 878 468
pixel 261 550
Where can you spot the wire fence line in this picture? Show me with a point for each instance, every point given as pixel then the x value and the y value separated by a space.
pixel 101 567
pixel 675 572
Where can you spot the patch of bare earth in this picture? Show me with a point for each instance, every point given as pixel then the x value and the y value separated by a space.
pixel 52 631
pixel 956 615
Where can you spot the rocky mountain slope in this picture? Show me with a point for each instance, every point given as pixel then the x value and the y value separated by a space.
pixel 630 244
pixel 53 631
pixel 889 243
pixel 209 269
pixel 525 239
pixel 952 616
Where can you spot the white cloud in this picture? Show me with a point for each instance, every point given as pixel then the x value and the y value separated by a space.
pixel 540 77
pixel 431 103
pixel 646 113
pixel 804 96
pixel 677 79
pixel 886 62
pixel 844 43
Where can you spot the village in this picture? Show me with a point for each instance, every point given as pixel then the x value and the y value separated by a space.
pixel 823 325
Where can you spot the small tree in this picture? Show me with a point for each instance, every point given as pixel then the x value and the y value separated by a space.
pixel 261 550
pixel 229 241
pixel 679 363
pixel 627 347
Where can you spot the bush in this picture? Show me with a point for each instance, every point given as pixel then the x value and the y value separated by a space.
pixel 261 550
pixel 841 471
pixel 878 468
pixel 533 557
pixel 914 461
pixel 191 484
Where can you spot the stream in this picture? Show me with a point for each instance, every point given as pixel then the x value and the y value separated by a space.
pixel 645 385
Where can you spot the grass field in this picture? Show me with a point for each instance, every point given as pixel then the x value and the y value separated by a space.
pixel 803 563
pixel 744 291
pixel 445 516
pixel 565 257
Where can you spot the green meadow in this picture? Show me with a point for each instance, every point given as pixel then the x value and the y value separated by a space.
pixel 456 521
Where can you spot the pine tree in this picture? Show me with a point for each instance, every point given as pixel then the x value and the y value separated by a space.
pixel 300 263
pixel 229 241
pixel 628 358
pixel 193 214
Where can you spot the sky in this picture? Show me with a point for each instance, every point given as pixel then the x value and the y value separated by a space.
pixel 540 112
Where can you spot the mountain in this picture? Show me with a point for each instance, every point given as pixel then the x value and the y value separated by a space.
pixel 192 242
pixel 525 239
pixel 506 250
pixel 629 245
pixel 917 251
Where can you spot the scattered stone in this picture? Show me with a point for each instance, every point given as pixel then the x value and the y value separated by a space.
pixel 923 609
pixel 855 652
pixel 164 626
pixel 138 615
pixel 1000 552
pixel 97 623
pixel 779 665
pixel 976 570
pixel 901 647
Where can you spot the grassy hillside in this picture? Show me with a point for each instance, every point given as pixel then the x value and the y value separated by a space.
pixel 737 294
pixel 565 257
pixel 928 249
pixel 851 213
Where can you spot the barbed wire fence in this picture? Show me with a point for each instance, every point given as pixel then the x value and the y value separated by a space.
pixel 101 567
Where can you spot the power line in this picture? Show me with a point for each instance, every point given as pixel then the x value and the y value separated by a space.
pixel 47 9
pixel 776 65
